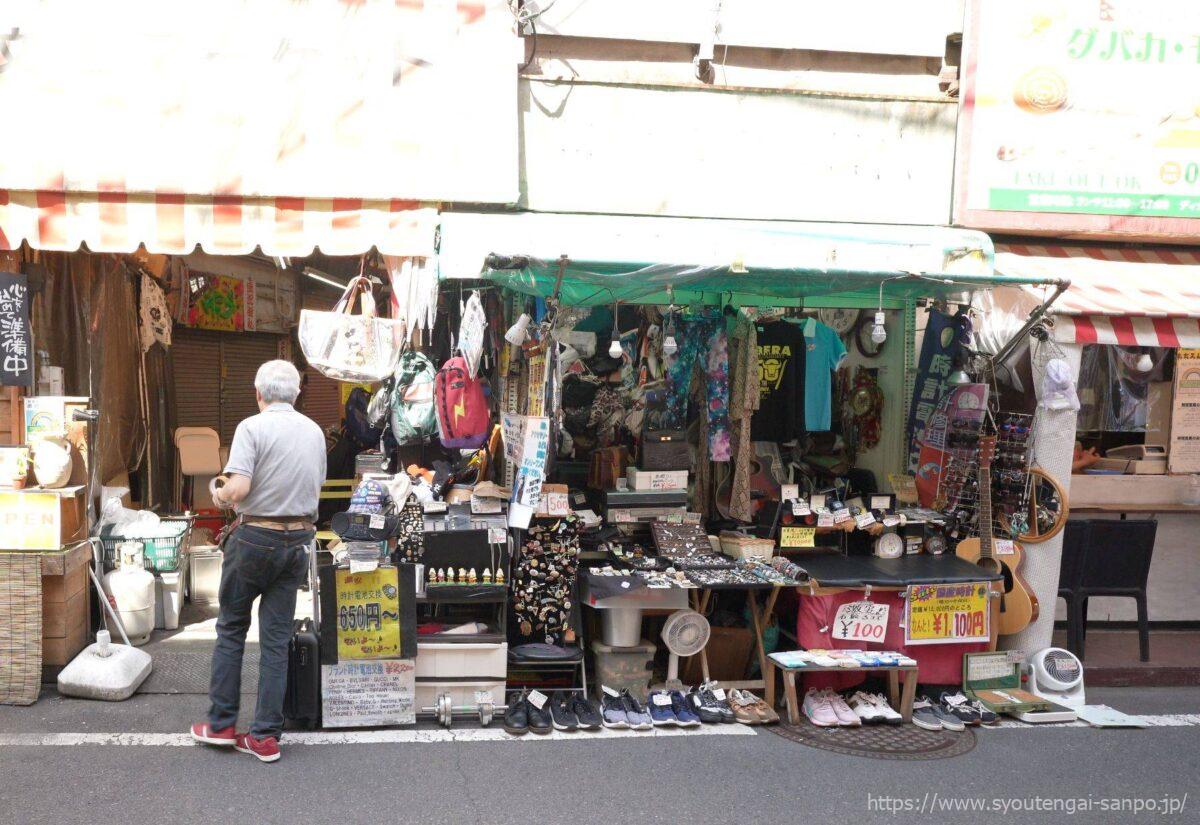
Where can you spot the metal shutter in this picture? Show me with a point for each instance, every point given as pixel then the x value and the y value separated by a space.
pixel 196 374
pixel 321 399
pixel 242 353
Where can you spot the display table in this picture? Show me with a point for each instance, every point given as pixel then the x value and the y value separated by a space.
pixel 901 701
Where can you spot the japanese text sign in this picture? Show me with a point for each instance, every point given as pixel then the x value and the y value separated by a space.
pixel 16 361
pixel 861 622
pixel 368 614
pixel 946 614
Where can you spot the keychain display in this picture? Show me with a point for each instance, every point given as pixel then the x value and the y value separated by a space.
pixel 410 533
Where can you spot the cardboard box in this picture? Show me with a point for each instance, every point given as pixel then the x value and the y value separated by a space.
pixel 36 519
pixel 657 479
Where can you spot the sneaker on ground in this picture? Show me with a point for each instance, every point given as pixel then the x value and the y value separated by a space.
pixel 948 720
pixel 987 716
pixel 924 715
pixel 718 698
pixel 264 750
pixel 635 712
pixel 661 712
pixel 819 710
pixel 516 717
pixel 864 709
pixel 744 710
pixel 708 711
pixel 587 712
pixel 203 732
pixel 846 717
pixel 765 712
pixel 540 719
pixel 956 705
pixel 685 716
pixel 561 714
pixel 887 714
pixel 614 711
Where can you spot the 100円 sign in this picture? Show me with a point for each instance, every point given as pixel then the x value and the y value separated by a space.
pixel 946 614
pixel 368 614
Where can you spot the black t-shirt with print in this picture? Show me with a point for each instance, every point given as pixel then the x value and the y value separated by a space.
pixel 781 373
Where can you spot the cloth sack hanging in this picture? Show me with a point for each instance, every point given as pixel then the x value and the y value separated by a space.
pixel 343 346
pixel 1058 387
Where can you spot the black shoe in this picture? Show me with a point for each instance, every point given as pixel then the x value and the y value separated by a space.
pixel 516 717
pixel 540 720
pixel 561 713
pixel 587 712
pixel 958 706
pixel 708 713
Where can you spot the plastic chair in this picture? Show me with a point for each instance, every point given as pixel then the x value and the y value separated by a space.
pixel 199 460
pixel 1116 562
pixel 1075 538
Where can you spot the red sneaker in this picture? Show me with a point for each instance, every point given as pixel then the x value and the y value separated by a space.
pixel 265 750
pixel 203 732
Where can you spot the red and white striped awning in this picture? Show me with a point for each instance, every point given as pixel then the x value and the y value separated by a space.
pixel 1132 297
pixel 220 225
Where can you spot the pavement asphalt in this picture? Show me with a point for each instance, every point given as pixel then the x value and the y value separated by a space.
pixel 694 779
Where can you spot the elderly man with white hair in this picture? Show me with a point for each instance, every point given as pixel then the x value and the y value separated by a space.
pixel 273 480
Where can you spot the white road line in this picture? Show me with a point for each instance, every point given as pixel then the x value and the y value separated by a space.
pixel 368 737
pixel 1166 720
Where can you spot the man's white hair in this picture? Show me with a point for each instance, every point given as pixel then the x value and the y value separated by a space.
pixel 278 381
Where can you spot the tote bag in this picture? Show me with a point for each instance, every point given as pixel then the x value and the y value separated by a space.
pixel 358 348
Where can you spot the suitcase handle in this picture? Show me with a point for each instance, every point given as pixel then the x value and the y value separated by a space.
pixel 312 586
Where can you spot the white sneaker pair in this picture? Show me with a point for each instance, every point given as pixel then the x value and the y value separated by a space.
pixel 873 709
pixel 826 708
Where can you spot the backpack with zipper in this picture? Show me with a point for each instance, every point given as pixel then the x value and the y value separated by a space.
pixel 413 420
pixel 464 420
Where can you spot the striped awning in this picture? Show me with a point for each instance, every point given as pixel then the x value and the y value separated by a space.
pixel 220 225
pixel 1132 297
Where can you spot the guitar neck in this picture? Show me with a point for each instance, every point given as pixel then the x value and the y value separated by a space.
pixel 985 511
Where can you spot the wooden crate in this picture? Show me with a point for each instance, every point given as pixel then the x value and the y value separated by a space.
pixel 66 606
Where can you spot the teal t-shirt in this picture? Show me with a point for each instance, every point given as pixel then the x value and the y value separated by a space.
pixel 824 353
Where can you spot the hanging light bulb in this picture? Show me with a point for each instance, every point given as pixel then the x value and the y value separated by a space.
pixel 614 349
pixel 1145 363
pixel 518 332
pixel 878 332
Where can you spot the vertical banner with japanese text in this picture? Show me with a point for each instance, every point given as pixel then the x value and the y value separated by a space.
pixel 938 351
pixel 16 363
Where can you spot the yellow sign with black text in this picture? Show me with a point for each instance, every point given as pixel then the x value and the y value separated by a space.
pixel 946 614
pixel 797 536
pixel 368 614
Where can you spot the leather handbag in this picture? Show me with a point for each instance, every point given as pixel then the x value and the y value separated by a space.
pixel 608 464
pixel 665 450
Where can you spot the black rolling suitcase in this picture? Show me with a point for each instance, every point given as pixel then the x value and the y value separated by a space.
pixel 302 698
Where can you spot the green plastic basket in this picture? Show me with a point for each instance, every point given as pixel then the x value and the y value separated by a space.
pixel 160 555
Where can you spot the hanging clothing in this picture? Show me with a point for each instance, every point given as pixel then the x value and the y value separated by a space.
pixel 743 403
pixel 824 353
pixel 701 339
pixel 155 317
pixel 781 374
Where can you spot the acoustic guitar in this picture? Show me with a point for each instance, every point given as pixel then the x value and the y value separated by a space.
pixel 1018 604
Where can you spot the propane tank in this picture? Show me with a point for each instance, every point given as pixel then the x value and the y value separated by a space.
pixel 131 590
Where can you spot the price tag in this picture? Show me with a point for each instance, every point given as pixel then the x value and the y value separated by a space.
pixel 481 505
pixel 789 492
pixel 483 697
pixel 864 520
pixel 497 535
pixel 1003 547
pixel 800 507
pixel 891 521
pixel 662 700
pixel 378 522
pixel 363 565
pixel 719 694
pixel 861 622
pixel 825 519
pixel 841 515
pixel 537 699
pixel 609 691
pixel 797 537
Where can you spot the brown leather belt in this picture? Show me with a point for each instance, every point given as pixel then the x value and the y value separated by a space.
pixel 277 523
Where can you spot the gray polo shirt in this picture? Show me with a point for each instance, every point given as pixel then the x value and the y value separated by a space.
pixel 282 452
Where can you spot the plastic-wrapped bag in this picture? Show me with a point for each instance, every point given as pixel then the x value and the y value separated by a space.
pixel 347 347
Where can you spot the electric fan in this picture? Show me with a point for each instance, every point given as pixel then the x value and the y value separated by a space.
pixel 685 633
pixel 1057 675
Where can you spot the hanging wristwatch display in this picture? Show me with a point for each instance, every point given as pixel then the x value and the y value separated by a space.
pixel 840 320
pixel 889 545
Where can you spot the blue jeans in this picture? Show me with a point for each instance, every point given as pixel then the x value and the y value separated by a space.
pixel 271 564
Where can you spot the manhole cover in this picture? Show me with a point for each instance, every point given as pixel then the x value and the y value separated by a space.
pixel 901 742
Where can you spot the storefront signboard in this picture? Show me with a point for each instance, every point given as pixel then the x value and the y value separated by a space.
pixel 368 614
pixel 938 614
pixel 1184 455
pixel 1079 117
pixel 16 361
pixel 368 694
pixel 530 461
